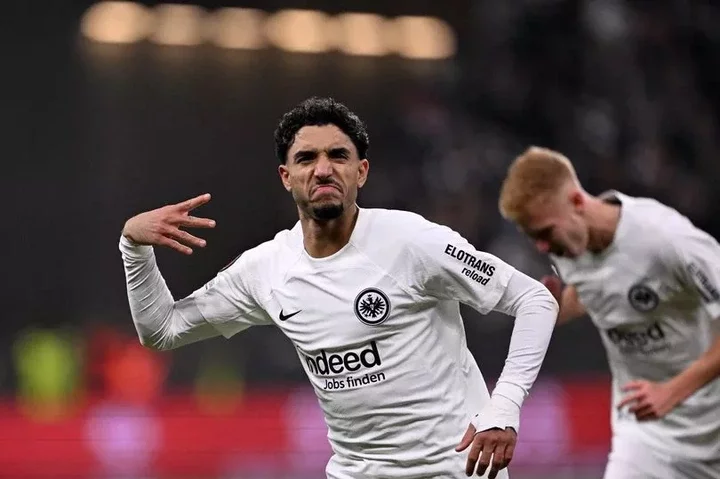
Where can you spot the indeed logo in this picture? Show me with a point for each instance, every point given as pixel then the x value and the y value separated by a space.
pixel 637 339
pixel 325 364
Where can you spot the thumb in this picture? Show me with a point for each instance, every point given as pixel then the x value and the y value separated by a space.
pixel 466 440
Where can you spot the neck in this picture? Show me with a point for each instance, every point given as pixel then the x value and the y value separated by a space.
pixel 324 238
pixel 602 219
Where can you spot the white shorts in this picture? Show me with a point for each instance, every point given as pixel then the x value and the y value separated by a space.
pixel 339 468
pixel 631 459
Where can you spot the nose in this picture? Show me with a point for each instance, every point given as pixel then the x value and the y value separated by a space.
pixel 323 167
pixel 542 246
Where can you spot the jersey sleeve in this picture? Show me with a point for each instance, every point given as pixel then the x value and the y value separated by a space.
pixel 694 257
pixel 230 300
pixel 450 268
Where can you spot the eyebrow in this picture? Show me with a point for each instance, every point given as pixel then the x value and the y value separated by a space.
pixel 337 150
pixel 303 153
pixel 340 150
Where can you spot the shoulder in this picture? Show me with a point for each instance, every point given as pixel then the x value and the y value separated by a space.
pixel 661 226
pixel 655 215
pixel 402 225
pixel 396 238
pixel 380 217
pixel 403 239
pixel 391 233
pixel 649 224
pixel 665 234
pixel 264 255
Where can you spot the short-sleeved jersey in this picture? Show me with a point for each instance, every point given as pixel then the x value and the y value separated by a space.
pixel 378 330
pixel 654 295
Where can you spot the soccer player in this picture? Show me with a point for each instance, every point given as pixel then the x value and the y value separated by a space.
pixel 648 279
pixel 370 300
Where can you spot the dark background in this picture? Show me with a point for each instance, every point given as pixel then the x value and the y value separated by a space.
pixel 94 133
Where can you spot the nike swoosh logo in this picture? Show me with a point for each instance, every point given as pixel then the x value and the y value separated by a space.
pixel 285 317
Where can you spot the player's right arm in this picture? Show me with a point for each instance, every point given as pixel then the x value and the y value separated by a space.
pixel 223 306
pixel 567 297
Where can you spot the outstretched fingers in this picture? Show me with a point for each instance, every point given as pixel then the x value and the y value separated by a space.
pixel 187 239
pixel 193 203
pixel 195 222
pixel 171 243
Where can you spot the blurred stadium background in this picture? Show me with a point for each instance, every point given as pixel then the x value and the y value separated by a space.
pixel 115 108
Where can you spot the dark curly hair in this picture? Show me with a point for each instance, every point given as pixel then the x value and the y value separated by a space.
pixel 318 112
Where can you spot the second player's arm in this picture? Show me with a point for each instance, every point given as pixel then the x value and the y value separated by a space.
pixel 698 374
pixel 567 297
pixel 694 256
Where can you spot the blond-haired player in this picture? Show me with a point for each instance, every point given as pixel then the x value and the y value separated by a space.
pixel 650 282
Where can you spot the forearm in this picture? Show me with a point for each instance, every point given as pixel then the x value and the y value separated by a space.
pixel 160 321
pixel 535 312
pixel 698 374
pixel 570 306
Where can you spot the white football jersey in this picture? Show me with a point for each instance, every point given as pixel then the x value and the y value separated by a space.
pixel 378 330
pixel 653 294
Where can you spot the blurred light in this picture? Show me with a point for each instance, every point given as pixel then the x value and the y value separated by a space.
pixel 116 22
pixel 360 34
pixel 179 25
pixel 48 372
pixel 299 31
pixel 218 387
pixel 423 38
pixel 293 30
pixel 236 28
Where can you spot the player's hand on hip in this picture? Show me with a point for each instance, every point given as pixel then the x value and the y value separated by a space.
pixel 162 226
pixel 647 400
pixel 492 448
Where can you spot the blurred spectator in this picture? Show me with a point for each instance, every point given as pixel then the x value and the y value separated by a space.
pixel 48 373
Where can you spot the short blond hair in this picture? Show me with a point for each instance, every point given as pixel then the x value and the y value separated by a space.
pixel 533 176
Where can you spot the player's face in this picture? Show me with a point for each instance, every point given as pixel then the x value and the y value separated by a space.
pixel 557 226
pixel 323 171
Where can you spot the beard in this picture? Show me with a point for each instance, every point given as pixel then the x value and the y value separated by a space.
pixel 327 212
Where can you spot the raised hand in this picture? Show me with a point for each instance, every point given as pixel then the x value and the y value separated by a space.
pixel 162 226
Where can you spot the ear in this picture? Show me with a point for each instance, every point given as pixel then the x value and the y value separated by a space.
pixel 363 169
pixel 577 199
pixel 284 173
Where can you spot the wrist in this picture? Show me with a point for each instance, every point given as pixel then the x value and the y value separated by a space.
pixel 680 387
pixel 130 248
pixel 128 238
pixel 127 234
pixel 506 391
pixel 500 412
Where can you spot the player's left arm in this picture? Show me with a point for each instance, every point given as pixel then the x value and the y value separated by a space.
pixel 693 256
pixel 454 270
